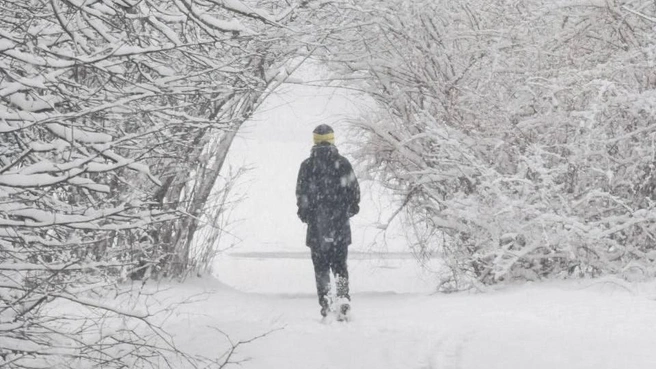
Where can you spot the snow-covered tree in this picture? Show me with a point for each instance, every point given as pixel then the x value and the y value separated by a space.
pixel 115 118
pixel 519 135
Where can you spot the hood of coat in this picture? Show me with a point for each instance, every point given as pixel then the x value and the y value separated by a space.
pixel 324 151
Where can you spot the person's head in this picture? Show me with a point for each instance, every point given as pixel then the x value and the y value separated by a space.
pixel 323 134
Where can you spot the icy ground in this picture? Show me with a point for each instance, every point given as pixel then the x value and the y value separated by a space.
pixel 604 324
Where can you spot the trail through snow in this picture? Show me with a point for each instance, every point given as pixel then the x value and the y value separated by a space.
pixel 574 325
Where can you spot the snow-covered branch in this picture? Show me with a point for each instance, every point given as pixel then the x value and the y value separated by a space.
pixel 527 152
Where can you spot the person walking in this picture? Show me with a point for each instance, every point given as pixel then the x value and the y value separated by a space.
pixel 327 196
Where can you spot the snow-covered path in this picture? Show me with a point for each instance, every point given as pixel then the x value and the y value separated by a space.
pixel 574 325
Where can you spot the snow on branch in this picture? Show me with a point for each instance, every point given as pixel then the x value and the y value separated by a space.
pixel 56 267
pixel 94 219
pixel 243 9
pixel 37 180
pixel 641 15
pixel 211 21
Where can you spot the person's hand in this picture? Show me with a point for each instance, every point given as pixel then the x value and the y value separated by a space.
pixel 353 209
pixel 303 215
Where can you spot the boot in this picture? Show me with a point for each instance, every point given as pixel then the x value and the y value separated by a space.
pixel 325 306
pixel 343 310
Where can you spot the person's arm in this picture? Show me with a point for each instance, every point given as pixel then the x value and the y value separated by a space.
pixel 302 200
pixel 352 189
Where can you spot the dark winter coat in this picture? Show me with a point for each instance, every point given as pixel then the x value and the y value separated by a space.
pixel 327 195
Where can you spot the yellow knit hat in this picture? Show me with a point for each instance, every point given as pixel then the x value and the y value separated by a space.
pixel 323 133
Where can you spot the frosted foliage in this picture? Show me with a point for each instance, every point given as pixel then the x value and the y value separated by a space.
pixel 521 137
pixel 112 119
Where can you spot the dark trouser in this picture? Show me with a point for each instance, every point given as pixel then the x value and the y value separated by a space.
pixel 332 259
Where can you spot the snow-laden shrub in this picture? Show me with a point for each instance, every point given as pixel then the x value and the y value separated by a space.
pixel 520 134
pixel 115 118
